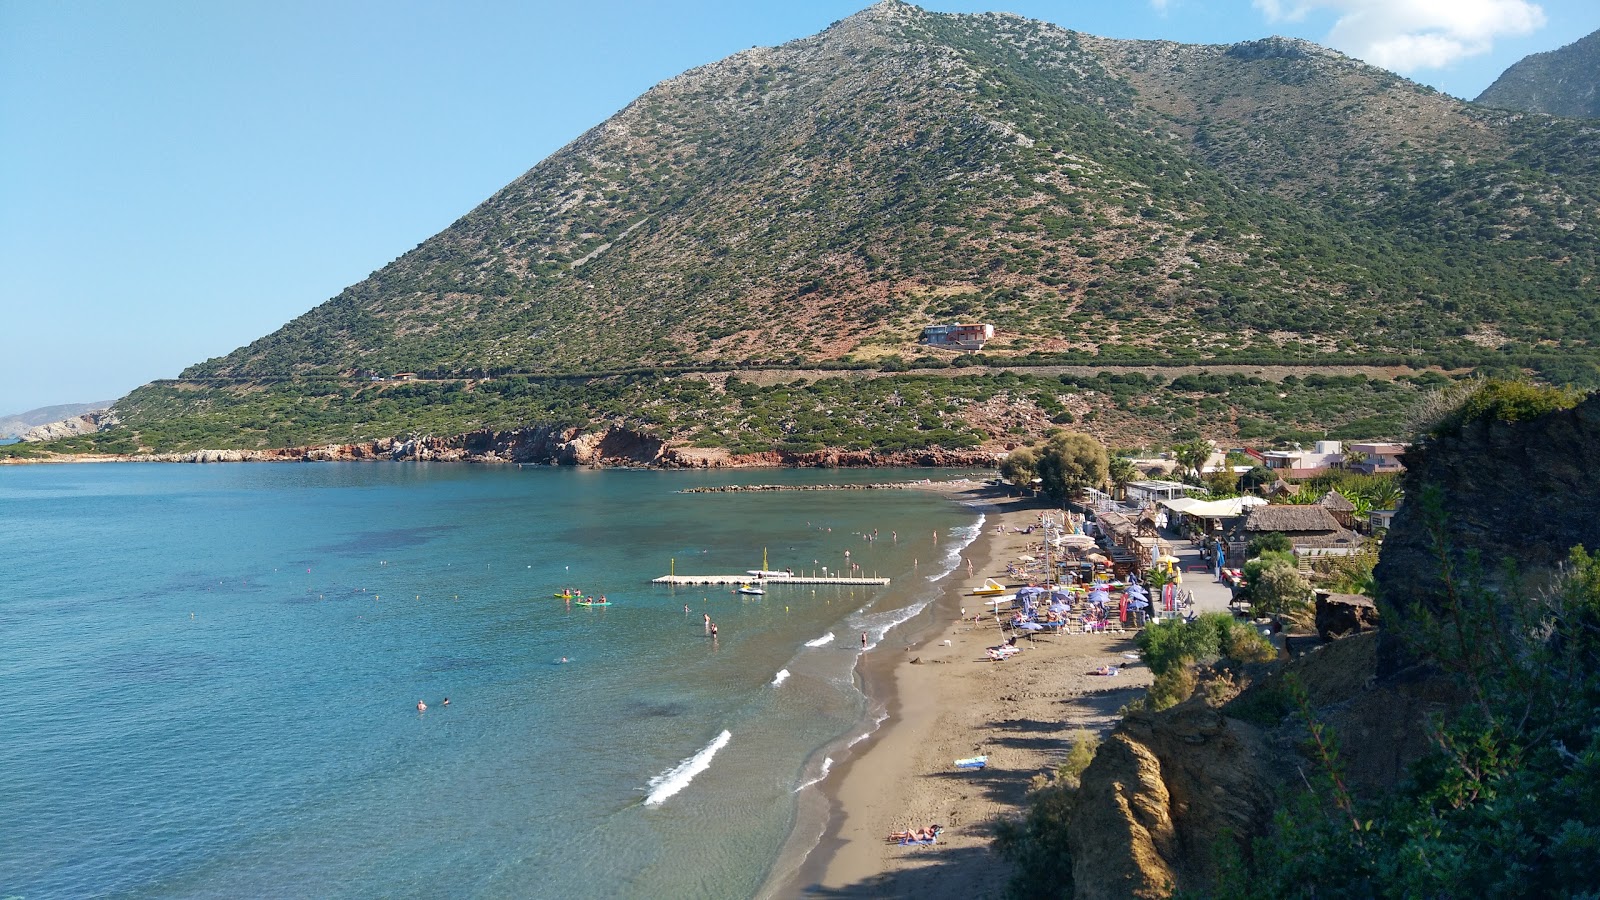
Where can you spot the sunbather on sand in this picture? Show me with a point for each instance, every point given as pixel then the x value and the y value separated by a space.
pixel 1105 670
pixel 921 834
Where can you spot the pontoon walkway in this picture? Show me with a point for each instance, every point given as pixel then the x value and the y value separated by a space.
pixel 764 582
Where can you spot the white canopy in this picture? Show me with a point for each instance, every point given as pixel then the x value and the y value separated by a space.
pixel 1213 509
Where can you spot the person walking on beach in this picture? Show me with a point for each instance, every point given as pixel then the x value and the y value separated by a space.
pixel 863 640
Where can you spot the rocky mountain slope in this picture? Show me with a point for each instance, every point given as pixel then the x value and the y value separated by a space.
pixel 818 203
pixel 1564 82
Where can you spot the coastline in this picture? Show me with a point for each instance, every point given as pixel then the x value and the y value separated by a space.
pixel 944 703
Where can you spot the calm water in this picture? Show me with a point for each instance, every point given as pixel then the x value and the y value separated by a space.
pixel 211 675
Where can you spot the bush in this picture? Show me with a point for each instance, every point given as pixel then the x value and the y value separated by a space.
pixel 1271 542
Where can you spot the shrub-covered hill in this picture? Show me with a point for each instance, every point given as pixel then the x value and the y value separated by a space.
pixel 816 204
pixel 829 197
pixel 1564 82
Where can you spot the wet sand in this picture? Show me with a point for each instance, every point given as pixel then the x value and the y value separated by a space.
pixel 951 702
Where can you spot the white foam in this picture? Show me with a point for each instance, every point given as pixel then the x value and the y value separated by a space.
pixel 827 763
pixel 821 641
pixel 882 717
pixel 678 777
pixel 780 678
pixel 964 536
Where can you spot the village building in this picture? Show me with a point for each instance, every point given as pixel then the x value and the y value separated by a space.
pixel 1380 457
pixel 1324 455
pixel 962 336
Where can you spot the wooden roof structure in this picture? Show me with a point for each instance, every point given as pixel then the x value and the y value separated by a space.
pixel 1335 501
pixel 1306 526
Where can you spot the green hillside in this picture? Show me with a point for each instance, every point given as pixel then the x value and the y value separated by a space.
pixel 816 204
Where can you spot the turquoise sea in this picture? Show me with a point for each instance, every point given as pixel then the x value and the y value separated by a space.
pixel 211 675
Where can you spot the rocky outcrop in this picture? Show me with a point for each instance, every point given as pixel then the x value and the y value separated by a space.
pixel 1159 793
pixel 1341 615
pixel 1506 491
pixel 88 423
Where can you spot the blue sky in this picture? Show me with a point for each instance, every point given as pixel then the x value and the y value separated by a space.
pixel 179 178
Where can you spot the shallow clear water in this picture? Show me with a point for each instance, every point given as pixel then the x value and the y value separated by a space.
pixel 212 672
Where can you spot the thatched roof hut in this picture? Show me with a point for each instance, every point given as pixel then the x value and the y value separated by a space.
pixel 1335 502
pixel 1307 527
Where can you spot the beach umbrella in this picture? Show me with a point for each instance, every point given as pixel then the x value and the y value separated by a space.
pixel 1137 590
pixel 1138 604
pixel 1061 608
pixel 1030 626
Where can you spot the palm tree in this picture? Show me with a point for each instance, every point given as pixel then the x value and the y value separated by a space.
pixel 1121 471
pixel 1353 459
pixel 1192 456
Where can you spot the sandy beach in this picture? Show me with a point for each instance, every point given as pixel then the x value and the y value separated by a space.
pixel 947 701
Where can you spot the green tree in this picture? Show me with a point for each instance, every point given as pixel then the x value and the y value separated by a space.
pixel 1021 466
pixel 1070 460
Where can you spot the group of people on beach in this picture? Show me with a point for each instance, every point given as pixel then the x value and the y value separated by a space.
pixel 924 835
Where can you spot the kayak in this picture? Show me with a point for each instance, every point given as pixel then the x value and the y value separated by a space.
pixel 972 762
pixel 594 602
pixel 566 596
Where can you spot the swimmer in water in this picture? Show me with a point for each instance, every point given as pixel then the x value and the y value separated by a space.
pixel 422 707
pixel 563 659
pixel 446 702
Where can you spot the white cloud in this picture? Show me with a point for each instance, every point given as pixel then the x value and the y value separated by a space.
pixel 1414 34
pixel 1160 6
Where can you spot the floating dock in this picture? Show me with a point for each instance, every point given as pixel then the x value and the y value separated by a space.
pixel 677 580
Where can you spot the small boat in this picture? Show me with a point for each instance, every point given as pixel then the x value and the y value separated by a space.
pixel 990 588
pixel 568 595
pixel 593 602
pixel 751 589
pixel 972 762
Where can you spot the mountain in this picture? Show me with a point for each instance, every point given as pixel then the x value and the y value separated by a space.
pixel 813 206
pixel 15 425
pixel 1564 82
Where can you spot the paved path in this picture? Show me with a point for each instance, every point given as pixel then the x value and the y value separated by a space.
pixel 1210 595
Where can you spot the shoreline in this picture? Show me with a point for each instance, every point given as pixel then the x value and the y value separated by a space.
pixel 943 703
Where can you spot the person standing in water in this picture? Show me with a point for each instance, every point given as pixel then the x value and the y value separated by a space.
pixel 863 640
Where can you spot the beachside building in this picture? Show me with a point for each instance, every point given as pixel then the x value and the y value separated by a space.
pixel 963 336
pixel 404 376
pixel 1141 493
pixel 1312 530
pixel 1381 457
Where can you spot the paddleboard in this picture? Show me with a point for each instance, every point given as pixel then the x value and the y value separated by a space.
pixel 972 762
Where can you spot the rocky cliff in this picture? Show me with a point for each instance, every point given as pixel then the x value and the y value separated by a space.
pixel 1167 788
pixel 1521 492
